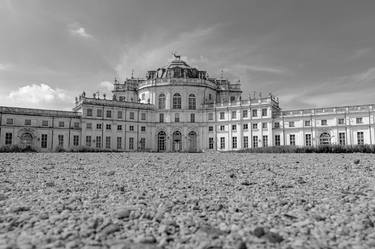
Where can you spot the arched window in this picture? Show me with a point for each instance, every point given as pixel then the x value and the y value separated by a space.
pixel 162 101
pixel 192 102
pixel 176 101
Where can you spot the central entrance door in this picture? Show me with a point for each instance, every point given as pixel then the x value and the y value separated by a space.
pixel 192 141
pixel 26 139
pixel 161 141
pixel 177 141
pixel 325 139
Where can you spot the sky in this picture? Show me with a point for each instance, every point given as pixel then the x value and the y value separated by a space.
pixel 310 54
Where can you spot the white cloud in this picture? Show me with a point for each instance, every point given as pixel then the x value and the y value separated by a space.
pixel 5 67
pixel 39 96
pixel 77 30
pixel 153 49
pixel 106 85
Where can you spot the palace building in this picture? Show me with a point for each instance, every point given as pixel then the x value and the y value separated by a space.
pixel 178 108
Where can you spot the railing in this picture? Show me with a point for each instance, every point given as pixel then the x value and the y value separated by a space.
pixel 38 112
pixel 177 81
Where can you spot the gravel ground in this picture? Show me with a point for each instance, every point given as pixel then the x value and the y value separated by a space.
pixel 204 201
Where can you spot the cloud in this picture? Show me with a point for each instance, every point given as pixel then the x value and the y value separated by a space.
pixel 154 48
pixel 39 96
pixel 345 90
pixel 263 69
pixel 5 67
pixel 106 85
pixel 77 30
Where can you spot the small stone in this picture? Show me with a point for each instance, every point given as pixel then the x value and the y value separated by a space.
pixel 146 239
pixel 259 232
pixel 242 245
pixel 274 237
pixel 43 216
pixel 123 213
pixel 356 161
pixel 111 229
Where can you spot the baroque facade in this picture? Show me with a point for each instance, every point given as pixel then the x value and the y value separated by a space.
pixel 180 108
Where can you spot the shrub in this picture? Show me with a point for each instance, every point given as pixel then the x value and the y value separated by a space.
pixel 17 148
pixel 310 149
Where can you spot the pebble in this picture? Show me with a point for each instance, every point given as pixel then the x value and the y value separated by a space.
pixel 357 161
pixel 123 213
pixel 259 232
pixel 274 237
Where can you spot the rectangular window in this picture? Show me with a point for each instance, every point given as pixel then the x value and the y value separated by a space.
pixel 307 123
pixel 8 138
pixel 244 113
pixel 177 117
pixel 131 127
pixel 119 114
pixel 143 143
pixel 143 128
pixel 43 142
pixel 323 122
pixel 89 112
pixel 75 140
pixel 210 143
pixel 27 122
pixel 234 142
pixel 359 120
pixel 255 113
pixel 131 143
pixel 108 127
pixel 143 116
pixel 210 116
pixel 222 115
pixel 291 124
pixel 119 143
pixel 264 112
pixel 60 139
pixel 61 124
pixel 255 141
pixel 246 142
pixel 342 138
pixel 277 140
pixel 161 118
pixel 341 121
pixel 98 142
pixel 131 115
pixel 234 127
pixel 76 125
pixel 119 127
pixel 292 139
pixel 222 127
pixel 44 122
pixel 265 141
pixel 109 114
pixel 9 121
pixel 99 113
pixel 277 125
pixel 88 141
pixel 360 139
pixel 255 126
pixel 245 126
pixel 222 143
pixel 192 117
pixel 234 114
pixel 264 125
pixel 88 125
pixel 107 142
pixel 210 128
pixel 308 140
pixel 99 126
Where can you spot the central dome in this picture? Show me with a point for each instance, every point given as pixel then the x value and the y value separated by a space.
pixel 177 68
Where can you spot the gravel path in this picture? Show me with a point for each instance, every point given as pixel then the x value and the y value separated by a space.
pixel 204 201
